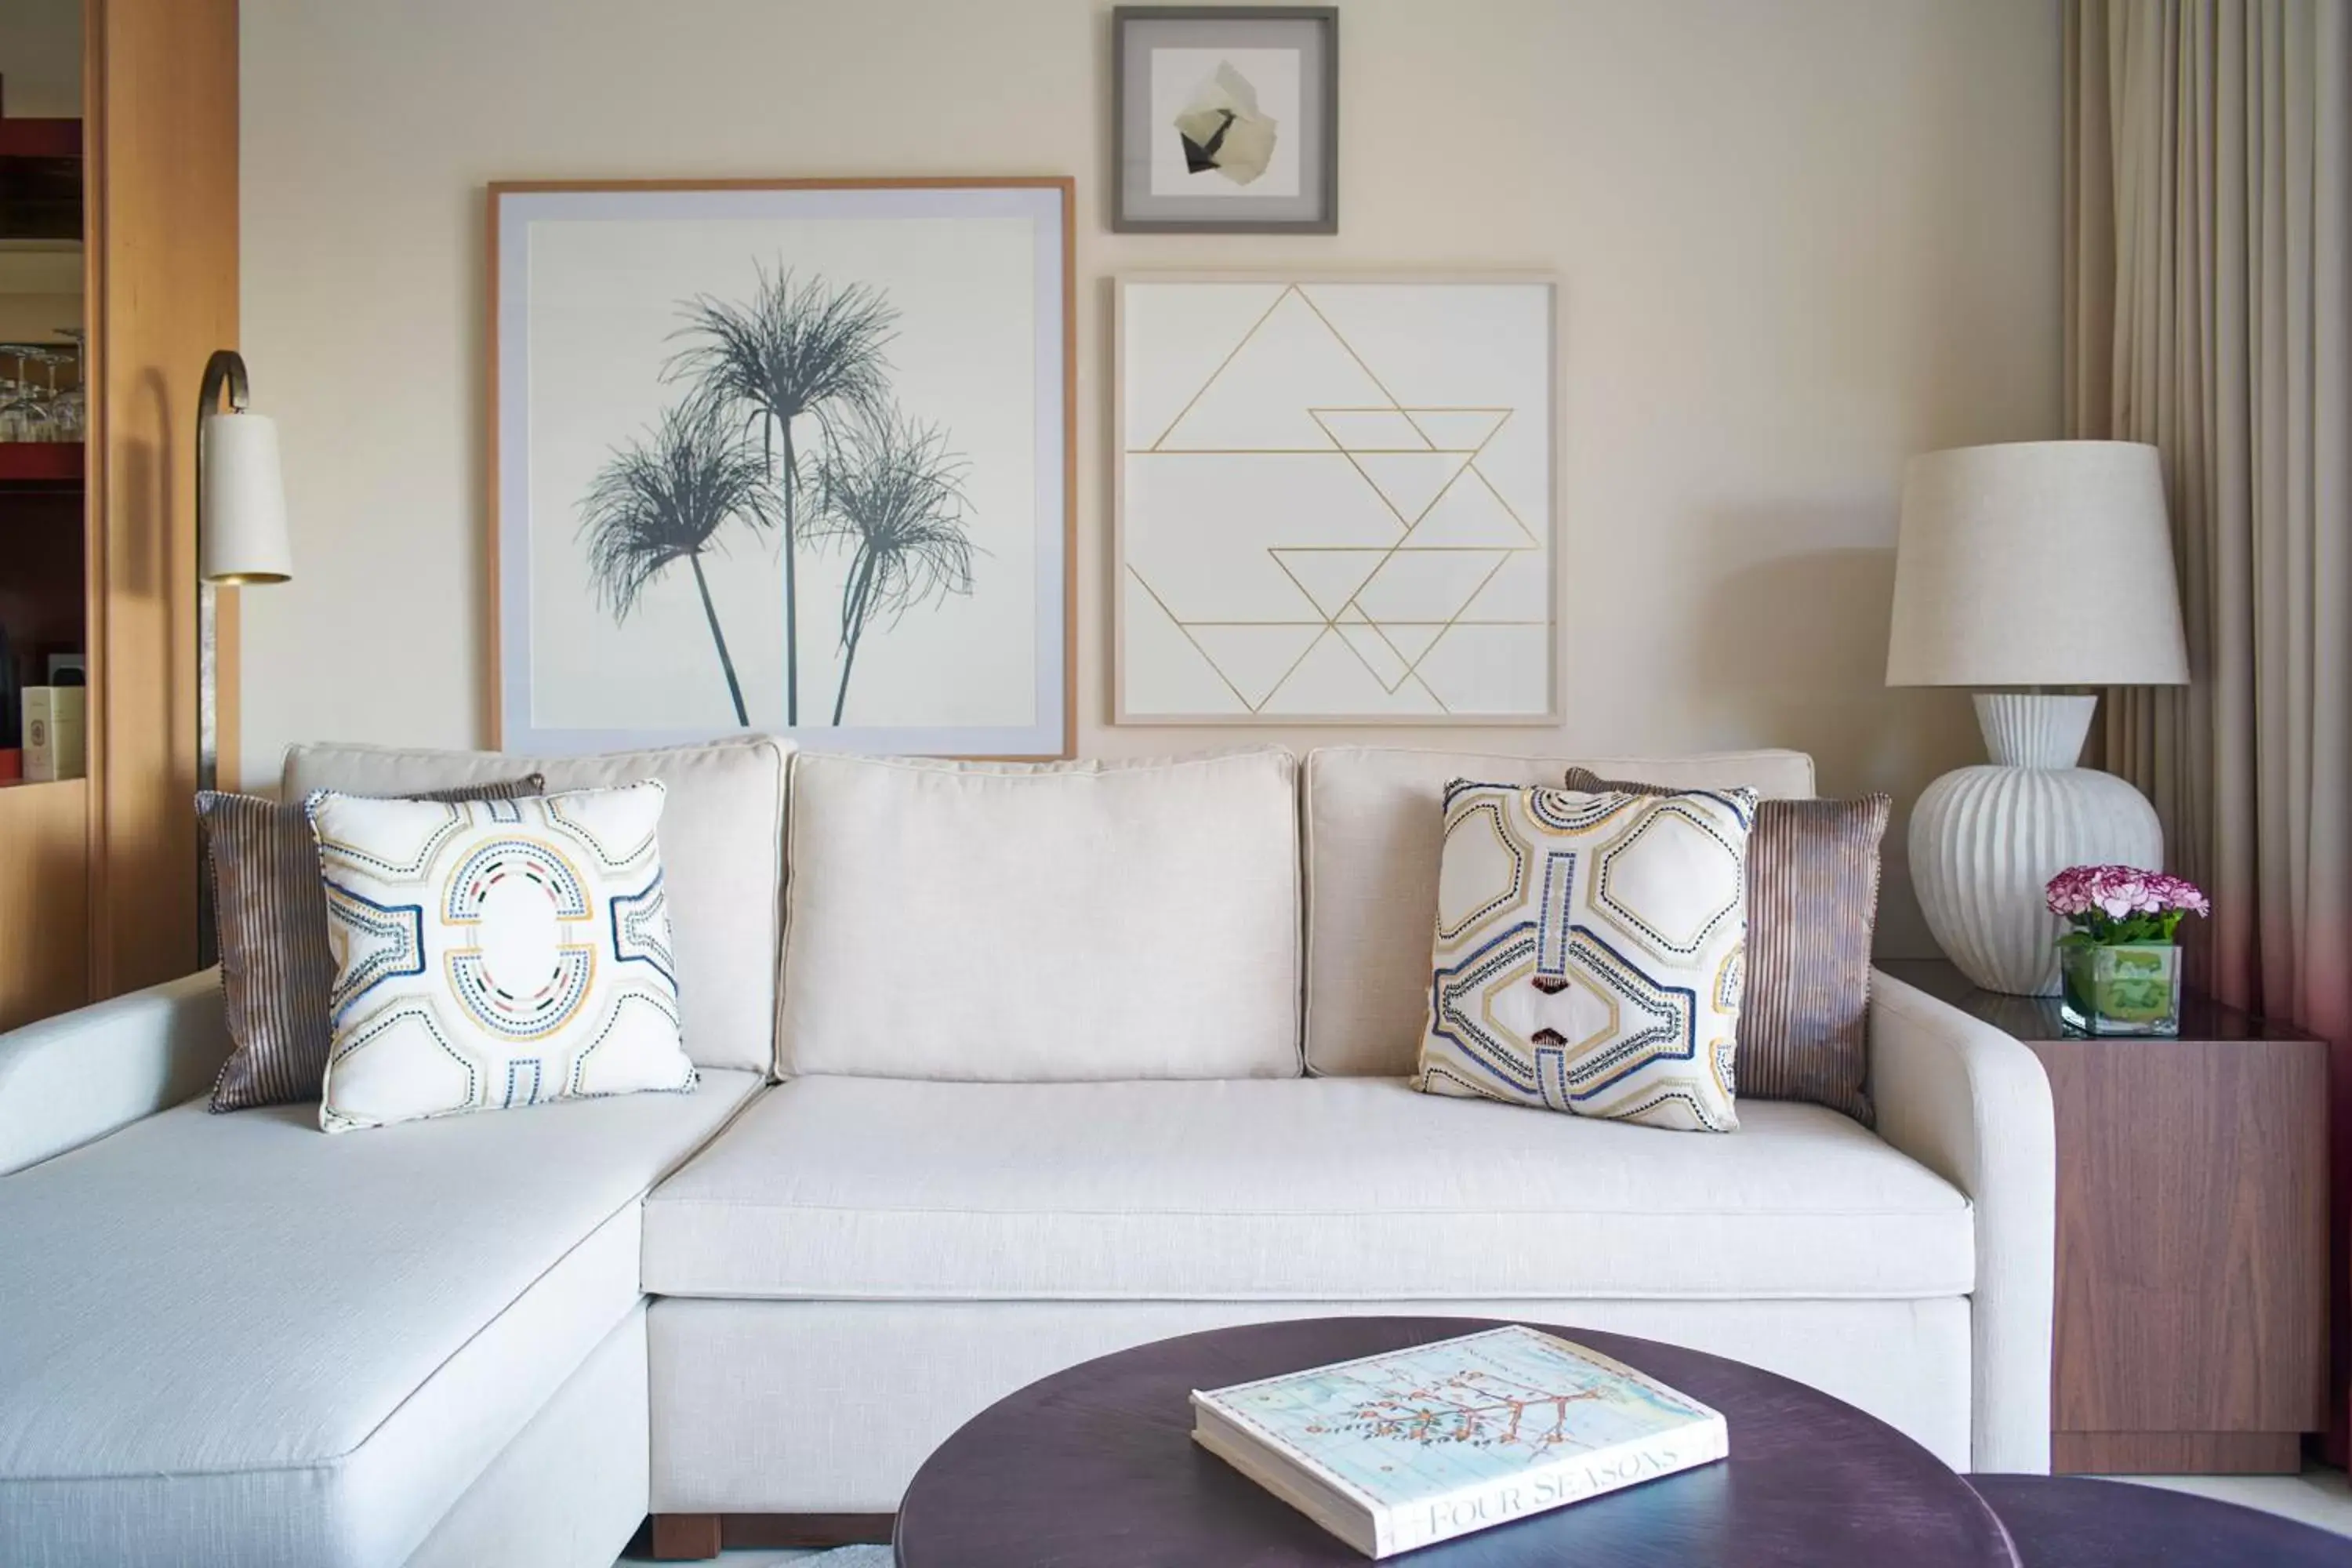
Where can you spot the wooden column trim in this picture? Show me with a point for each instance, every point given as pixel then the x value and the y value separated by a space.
pixel 161 203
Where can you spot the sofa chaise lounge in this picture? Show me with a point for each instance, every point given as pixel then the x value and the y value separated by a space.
pixel 1002 1068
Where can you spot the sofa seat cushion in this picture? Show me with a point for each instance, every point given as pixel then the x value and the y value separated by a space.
pixel 231 1338
pixel 1301 1189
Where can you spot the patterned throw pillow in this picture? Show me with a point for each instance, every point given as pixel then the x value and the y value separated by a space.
pixel 274 963
pixel 495 954
pixel 1588 952
pixel 1813 900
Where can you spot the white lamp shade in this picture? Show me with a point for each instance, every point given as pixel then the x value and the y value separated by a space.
pixel 243 501
pixel 2036 563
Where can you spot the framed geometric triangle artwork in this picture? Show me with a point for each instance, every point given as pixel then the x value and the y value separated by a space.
pixel 1335 501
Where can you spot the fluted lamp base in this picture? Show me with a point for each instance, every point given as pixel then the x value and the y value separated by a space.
pixel 1986 840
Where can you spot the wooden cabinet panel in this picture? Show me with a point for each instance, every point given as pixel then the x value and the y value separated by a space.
pixel 2192 1316
pixel 2191 1234
pixel 44 900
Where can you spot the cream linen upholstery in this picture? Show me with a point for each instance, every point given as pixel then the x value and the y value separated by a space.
pixel 571 1484
pixel 1059 921
pixel 1375 827
pixel 230 1339
pixel 1302 1190
pixel 1973 1105
pixel 829 1406
pixel 81 1075
pixel 722 856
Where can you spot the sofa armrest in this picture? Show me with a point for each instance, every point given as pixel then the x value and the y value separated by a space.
pixel 70 1079
pixel 1972 1104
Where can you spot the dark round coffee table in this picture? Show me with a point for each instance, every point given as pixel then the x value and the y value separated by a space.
pixel 2073 1521
pixel 1095 1468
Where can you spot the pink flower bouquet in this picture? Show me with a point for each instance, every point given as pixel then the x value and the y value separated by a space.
pixel 2109 905
pixel 2119 970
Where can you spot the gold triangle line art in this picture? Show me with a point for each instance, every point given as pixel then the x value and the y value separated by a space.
pixel 1380 495
pixel 1408 533
pixel 1456 478
pixel 1517 521
pixel 1411 666
pixel 1414 521
pixel 1441 408
pixel 1414 670
pixel 1325 624
pixel 1330 625
pixel 1273 554
pixel 1214 666
pixel 1331 630
pixel 1368 622
pixel 1312 644
pixel 1333 451
pixel 1317 414
pixel 1428 506
pixel 1309 301
pixel 1288 290
pixel 1401 658
pixel 1349 643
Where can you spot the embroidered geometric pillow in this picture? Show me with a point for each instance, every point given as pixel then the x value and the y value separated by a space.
pixel 495 954
pixel 1589 950
pixel 275 967
pixel 1813 900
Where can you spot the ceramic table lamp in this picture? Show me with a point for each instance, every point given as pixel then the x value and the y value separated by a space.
pixel 2036 565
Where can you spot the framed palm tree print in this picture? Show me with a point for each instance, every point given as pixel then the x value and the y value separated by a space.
pixel 787 455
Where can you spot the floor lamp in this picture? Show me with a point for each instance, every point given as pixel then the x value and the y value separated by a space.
pixel 240 542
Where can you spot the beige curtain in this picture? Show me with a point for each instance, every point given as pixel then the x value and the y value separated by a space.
pixel 2208 305
pixel 2208 310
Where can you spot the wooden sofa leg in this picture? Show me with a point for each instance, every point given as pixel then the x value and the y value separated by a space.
pixel 685 1537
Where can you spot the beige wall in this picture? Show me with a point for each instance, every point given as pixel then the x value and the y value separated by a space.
pixel 40 59
pixel 1800 239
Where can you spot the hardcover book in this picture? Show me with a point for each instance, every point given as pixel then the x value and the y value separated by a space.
pixel 1401 1451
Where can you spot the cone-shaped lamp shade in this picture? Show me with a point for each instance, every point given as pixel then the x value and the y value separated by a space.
pixel 2036 563
pixel 243 501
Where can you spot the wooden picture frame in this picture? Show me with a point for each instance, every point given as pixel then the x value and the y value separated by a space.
pixel 1214 40
pixel 937 352
pixel 1207 517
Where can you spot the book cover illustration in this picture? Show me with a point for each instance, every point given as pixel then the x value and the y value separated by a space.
pixel 1410 1424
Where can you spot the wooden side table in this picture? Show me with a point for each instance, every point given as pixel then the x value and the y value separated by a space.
pixel 2191 1329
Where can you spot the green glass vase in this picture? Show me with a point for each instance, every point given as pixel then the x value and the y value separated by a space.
pixel 2126 988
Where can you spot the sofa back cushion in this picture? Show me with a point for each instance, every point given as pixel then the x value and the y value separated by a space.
pixel 1375 830
pixel 722 860
pixel 1052 923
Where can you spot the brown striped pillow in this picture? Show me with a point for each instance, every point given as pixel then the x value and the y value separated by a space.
pixel 274 963
pixel 1813 900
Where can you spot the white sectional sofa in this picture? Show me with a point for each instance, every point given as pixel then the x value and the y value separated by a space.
pixel 1015 1068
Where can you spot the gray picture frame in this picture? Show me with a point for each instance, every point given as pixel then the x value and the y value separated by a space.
pixel 1136 30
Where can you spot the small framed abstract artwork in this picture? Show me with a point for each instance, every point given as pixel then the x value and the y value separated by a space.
pixel 788 456
pixel 1334 501
pixel 1227 119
